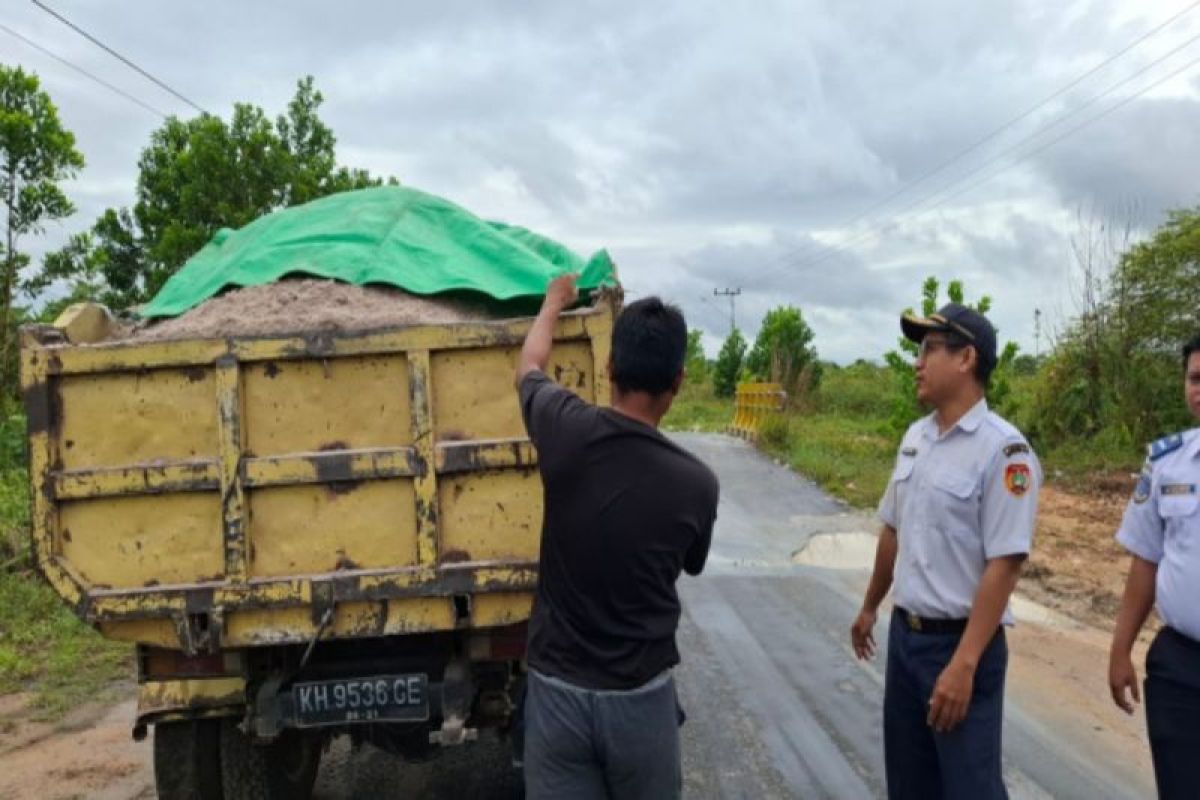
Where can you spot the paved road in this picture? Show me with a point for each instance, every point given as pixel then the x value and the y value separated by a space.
pixel 778 707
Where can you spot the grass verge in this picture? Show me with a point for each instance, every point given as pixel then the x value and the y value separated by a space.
pixel 698 409
pixel 851 458
pixel 45 650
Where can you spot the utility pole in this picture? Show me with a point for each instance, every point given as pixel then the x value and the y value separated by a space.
pixel 1037 334
pixel 732 294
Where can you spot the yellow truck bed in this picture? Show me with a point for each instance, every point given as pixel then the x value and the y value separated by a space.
pixel 209 494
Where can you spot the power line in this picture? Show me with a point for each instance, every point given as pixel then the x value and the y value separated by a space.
pixel 1022 116
pixel 1044 146
pixel 1047 128
pixel 115 54
pixel 920 201
pixel 83 71
pixel 907 187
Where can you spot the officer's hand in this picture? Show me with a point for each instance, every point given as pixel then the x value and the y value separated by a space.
pixel 562 292
pixel 861 635
pixel 1122 676
pixel 951 697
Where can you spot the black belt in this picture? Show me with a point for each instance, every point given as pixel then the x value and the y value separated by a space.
pixel 918 624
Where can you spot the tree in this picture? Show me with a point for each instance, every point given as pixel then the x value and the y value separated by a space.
pixel 200 175
pixel 694 361
pixel 36 154
pixel 729 364
pixel 905 408
pixel 1113 376
pixel 1158 284
pixel 783 352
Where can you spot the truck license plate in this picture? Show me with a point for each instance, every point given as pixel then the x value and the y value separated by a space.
pixel 383 698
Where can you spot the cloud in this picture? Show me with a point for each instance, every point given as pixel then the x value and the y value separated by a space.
pixel 706 144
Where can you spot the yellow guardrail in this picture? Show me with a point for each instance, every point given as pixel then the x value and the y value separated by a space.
pixel 755 402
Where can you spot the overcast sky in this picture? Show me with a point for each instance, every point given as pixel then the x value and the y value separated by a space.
pixel 705 144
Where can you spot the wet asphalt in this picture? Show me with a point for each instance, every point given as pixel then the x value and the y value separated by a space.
pixel 777 705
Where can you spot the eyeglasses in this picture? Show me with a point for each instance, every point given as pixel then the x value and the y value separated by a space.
pixel 928 346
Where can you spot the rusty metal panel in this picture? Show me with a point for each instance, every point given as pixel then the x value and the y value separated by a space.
pixel 153 632
pixel 230 443
pixel 598 329
pixel 455 457
pixel 42 414
pixel 419 616
pixel 475 399
pixel 477 505
pixel 104 605
pixel 161 415
pixel 182 476
pixel 137 356
pixel 426 508
pixel 326 404
pixel 501 608
pixel 255 481
pixel 331 466
pixel 144 541
pixel 351 620
pixel 298 530
pixel 158 697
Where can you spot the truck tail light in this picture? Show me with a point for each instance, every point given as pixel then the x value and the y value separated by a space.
pixel 499 644
pixel 158 663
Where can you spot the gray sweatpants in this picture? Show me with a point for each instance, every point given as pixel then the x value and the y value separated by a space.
pixel 583 744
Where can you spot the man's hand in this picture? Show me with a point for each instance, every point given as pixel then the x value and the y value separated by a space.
pixel 562 293
pixel 861 635
pixel 951 696
pixel 1122 676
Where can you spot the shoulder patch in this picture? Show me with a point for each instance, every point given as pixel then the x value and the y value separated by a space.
pixel 1141 492
pixel 1015 448
pixel 1167 444
pixel 1017 479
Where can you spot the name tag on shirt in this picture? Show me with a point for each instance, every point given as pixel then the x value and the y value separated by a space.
pixel 1176 489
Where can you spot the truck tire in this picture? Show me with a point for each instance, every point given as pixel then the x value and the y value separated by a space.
pixel 187 760
pixel 286 768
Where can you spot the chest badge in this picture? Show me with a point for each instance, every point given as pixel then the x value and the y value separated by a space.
pixel 1017 478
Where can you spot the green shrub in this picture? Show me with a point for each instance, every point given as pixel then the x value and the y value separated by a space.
pixel 774 430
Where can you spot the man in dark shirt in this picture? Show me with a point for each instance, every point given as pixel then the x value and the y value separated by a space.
pixel 626 510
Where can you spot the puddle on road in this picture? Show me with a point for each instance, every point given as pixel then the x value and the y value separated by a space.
pixel 851 550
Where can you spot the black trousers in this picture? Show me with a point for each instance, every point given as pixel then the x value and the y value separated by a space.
pixel 964 764
pixel 1173 714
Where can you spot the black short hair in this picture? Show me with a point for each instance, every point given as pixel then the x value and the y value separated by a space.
pixel 1191 346
pixel 649 342
pixel 984 368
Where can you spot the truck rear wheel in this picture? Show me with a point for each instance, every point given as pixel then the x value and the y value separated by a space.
pixel 286 768
pixel 187 760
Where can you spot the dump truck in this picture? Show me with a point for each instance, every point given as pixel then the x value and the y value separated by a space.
pixel 304 536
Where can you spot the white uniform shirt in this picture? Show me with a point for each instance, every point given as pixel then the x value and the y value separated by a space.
pixel 958 500
pixel 1162 526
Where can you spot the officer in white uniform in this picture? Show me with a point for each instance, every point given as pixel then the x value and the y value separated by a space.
pixel 1161 529
pixel 958 519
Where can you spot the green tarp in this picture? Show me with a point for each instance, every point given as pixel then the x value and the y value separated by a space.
pixel 391 235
